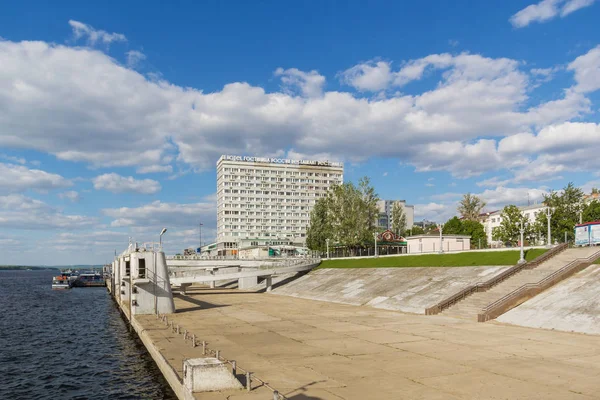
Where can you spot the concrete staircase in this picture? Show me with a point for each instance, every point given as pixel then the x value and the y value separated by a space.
pixel 469 307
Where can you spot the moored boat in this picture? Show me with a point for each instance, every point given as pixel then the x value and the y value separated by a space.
pixel 89 279
pixel 61 282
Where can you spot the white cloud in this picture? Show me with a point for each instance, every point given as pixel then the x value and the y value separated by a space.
pixel 21 212
pixel 71 195
pixel 158 214
pixel 17 178
pixel 81 30
pixel 310 83
pixel 370 76
pixel 546 10
pixel 149 169
pixel 501 196
pixel 134 57
pixel 437 212
pixel 17 160
pixel 81 105
pixel 120 184
pixel 587 71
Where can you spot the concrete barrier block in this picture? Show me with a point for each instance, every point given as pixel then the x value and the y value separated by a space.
pixel 207 375
pixel 246 283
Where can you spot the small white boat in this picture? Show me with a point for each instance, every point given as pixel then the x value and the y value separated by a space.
pixel 61 282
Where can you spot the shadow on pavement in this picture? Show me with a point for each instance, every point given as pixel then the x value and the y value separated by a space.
pixel 201 305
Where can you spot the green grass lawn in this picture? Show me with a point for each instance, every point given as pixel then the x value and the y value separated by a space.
pixel 469 259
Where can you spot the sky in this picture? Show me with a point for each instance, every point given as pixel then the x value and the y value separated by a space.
pixel 113 114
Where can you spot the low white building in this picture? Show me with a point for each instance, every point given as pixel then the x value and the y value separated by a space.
pixel 494 219
pixel 431 243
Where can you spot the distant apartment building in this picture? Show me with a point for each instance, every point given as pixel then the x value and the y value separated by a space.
pixel 267 201
pixel 385 213
pixel 493 219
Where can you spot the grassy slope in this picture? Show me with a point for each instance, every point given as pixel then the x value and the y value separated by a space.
pixel 509 257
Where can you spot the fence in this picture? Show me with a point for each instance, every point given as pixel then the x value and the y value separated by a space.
pixel 483 286
pixel 249 376
pixel 530 290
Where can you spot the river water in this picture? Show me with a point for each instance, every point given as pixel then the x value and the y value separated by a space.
pixel 69 344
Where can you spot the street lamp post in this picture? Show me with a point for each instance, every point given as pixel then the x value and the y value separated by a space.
pixel 522 231
pixel 440 227
pixel 160 237
pixel 548 216
pixel 201 236
pixel 375 237
pixel 327 242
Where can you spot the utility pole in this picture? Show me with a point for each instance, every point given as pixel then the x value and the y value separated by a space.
pixel 327 241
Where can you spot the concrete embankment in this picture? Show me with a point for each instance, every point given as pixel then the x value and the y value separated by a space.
pixel 402 289
pixel 573 306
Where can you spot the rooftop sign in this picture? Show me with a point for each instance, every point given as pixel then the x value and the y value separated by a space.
pixel 281 161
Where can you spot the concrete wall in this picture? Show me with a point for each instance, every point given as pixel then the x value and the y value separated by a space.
pixel 404 289
pixel 572 305
pixel 431 244
pixel 151 286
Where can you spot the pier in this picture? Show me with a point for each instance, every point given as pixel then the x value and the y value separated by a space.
pixel 281 347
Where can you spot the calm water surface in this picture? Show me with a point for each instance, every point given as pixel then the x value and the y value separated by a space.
pixel 70 344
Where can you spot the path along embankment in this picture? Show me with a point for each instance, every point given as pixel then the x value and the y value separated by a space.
pixel 403 289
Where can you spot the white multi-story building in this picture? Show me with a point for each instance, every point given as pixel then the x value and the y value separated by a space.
pixel 493 219
pixel 385 213
pixel 267 201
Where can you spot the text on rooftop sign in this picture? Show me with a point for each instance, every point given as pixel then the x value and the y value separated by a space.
pixel 282 161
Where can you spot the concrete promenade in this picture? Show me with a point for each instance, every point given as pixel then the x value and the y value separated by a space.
pixel 312 350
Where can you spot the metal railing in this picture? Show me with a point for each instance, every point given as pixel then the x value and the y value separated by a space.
pixel 483 286
pixel 187 272
pixel 206 351
pixel 529 290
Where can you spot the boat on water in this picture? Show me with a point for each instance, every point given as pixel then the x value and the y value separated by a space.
pixel 89 279
pixel 61 282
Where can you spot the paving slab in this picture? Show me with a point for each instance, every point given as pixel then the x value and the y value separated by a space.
pixel 316 350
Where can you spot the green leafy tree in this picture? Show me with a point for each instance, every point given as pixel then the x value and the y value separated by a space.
pixel 346 216
pixel 454 226
pixel 476 231
pixel 398 219
pixel 566 206
pixel 416 230
pixel 320 228
pixel 508 231
pixel 470 207
pixel 591 212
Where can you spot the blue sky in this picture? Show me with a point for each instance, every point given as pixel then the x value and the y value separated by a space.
pixel 113 114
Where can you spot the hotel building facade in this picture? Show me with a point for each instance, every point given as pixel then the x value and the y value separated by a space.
pixel 267 201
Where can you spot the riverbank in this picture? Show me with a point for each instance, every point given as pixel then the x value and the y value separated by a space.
pixel 321 350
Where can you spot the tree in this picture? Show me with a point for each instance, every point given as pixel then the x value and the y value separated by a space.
pixel 508 231
pixel 595 191
pixel 454 226
pixel 566 206
pixel 476 231
pixel 320 228
pixel 398 219
pixel 346 216
pixel 470 207
pixel 591 212
pixel 416 230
